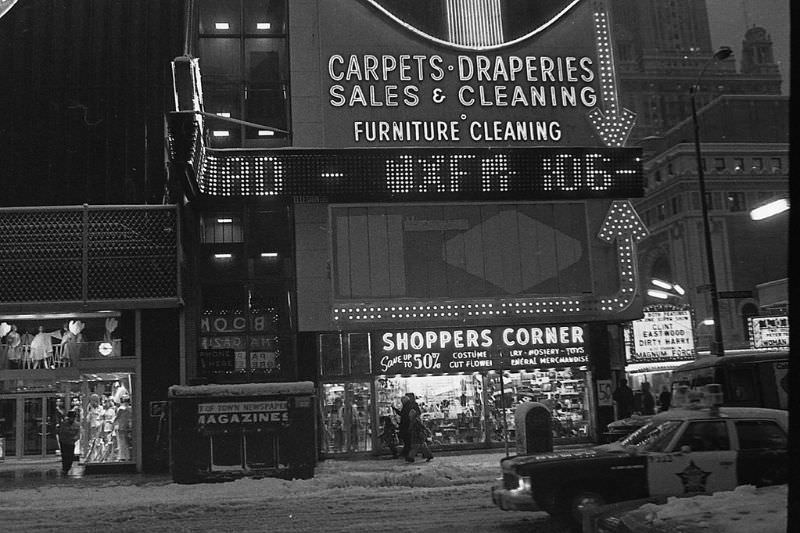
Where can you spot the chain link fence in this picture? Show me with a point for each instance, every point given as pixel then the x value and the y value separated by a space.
pixel 88 254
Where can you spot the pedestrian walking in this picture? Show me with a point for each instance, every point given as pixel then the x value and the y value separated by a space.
pixel 665 398
pixel 648 400
pixel 623 396
pixel 67 435
pixel 418 436
pixel 409 402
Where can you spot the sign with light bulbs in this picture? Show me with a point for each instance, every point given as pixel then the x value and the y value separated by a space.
pixel 454 73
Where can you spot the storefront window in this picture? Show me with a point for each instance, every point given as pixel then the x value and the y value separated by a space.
pixel 58 341
pixel 563 391
pixel 346 411
pixel 106 414
pixel 452 406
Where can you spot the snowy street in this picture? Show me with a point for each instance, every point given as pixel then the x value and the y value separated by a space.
pixel 374 495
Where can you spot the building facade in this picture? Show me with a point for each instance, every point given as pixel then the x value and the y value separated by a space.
pixel 389 248
pixel 661 49
pixel 745 154
pixel 90 301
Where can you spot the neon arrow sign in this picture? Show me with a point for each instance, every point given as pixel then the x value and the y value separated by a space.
pixel 613 125
pixel 621 224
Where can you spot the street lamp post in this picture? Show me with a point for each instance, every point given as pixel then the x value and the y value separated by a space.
pixel 717 347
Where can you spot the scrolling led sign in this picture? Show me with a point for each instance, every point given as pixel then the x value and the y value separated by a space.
pixel 426 174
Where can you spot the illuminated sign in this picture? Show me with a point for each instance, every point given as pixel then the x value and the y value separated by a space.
pixel 425 174
pixel 477 349
pixel 468 73
pixel 769 331
pixel 662 336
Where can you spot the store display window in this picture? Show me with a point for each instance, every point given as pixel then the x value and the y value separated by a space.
pixel 346 417
pixel 51 341
pixel 105 408
pixel 564 391
pixel 452 406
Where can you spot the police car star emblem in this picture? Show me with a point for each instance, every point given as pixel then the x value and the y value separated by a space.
pixel 693 478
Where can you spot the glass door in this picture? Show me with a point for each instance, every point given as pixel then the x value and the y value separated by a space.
pixel 32 424
pixel 8 425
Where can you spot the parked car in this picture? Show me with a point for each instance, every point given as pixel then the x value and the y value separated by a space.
pixel 679 452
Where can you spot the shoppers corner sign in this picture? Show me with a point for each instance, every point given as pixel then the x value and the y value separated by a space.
pixel 479 349
pixel 455 73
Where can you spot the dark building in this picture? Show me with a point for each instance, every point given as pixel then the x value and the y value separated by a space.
pixel 89 303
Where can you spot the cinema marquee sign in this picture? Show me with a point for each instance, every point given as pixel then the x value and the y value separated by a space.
pixel 479 349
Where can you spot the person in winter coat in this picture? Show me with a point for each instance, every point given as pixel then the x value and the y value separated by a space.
pixel 648 400
pixel 67 435
pixel 409 403
pixel 418 435
pixel 623 396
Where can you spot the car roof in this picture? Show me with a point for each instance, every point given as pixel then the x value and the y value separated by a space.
pixel 723 412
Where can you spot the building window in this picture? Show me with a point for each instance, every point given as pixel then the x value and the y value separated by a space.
pixel 331 354
pixel 758 163
pixel 695 203
pixel 662 211
pixel 243 51
pixel 776 164
pixel 736 201
pixel 676 205
pixel 738 164
pixel 719 163
pixel 221 228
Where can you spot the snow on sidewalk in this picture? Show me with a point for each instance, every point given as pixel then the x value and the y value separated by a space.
pixel 746 509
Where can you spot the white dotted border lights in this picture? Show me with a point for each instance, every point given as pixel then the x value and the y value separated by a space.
pixel 622 224
pixel 613 124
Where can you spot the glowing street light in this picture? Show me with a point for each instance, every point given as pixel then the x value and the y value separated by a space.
pixel 770 209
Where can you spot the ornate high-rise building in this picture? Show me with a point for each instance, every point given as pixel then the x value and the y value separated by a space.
pixel 663 45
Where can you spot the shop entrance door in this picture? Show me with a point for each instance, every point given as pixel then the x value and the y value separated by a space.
pixel 27 422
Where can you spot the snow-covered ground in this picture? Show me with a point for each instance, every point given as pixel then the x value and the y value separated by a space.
pixel 743 510
pixel 374 495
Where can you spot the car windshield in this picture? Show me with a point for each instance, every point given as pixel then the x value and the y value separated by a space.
pixel 652 437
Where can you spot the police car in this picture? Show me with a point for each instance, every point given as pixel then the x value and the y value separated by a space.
pixel 684 451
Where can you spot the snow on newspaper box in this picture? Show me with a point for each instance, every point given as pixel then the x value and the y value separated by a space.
pixel 229 431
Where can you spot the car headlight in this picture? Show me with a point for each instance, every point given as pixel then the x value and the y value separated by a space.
pixel 524 484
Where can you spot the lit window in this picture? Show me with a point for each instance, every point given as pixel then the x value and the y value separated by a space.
pixel 221 133
pixel 223 256
pixel 263 25
pixel 758 163
pixel 222 26
pixel 269 255
pixel 224 114
pixel 266 133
